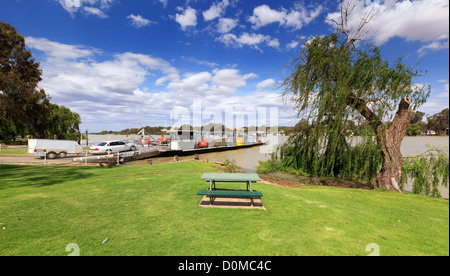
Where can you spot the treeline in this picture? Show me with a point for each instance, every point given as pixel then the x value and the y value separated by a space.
pixel 157 130
pixel 25 109
pixel 210 127
pixel 436 124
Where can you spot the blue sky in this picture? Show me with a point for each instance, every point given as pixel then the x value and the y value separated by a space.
pixel 126 63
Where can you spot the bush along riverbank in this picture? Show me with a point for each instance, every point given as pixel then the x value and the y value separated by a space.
pixel 428 172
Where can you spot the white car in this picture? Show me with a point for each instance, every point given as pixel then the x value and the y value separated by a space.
pixel 111 146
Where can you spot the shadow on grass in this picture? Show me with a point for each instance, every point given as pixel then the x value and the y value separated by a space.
pixel 17 176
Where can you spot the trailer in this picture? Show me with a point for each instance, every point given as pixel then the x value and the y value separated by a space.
pixel 52 148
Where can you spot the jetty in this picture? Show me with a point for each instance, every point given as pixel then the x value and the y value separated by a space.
pixel 182 143
pixel 156 151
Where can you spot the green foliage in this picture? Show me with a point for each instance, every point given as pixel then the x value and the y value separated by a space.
pixel 428 170
pixel 417 117
pixel 24 108
pixel 156 130
pixel 230 165
pixel 439 121
pixel 63 123
pixel 330 79
pixel 268 166
pixel 413 130
pixel 22 105
pixel 334 87
pixel 358 160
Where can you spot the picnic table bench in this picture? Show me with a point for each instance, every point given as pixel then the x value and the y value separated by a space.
pixel 213 178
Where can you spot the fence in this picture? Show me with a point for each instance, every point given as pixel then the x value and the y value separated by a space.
pixel 6 151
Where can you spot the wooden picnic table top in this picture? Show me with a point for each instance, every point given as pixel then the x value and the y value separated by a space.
pixel 231 177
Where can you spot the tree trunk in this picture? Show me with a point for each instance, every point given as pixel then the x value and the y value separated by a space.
pixel 390 140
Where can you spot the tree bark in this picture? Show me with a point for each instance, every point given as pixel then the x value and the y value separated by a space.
pixel 390 139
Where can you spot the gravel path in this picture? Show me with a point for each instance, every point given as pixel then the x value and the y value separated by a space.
pixel 29 160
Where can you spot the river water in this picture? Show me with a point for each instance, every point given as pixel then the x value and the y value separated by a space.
pixel 248 158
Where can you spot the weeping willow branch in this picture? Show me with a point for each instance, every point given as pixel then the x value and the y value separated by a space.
pixel 428 171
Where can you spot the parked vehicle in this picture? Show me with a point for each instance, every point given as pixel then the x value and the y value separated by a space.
pixel 52 148
pixel 111 146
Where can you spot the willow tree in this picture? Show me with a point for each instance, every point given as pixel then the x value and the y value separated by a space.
pixel 332 83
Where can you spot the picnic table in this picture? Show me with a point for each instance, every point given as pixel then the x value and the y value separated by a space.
pixel 213 178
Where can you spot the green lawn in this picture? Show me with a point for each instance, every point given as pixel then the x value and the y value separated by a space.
pixel 153 210
pixel 4 151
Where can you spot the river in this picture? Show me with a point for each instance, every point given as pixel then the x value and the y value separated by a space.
pixel 248 158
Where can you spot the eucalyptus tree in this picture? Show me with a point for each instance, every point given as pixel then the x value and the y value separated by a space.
pixel 22 104
pixel 25 109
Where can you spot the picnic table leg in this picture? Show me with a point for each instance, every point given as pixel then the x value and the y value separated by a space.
pixel 211 200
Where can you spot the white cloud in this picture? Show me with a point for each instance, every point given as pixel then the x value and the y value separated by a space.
pixel 95 11
pixel 164 3
pixel 433 106
pixel 187 19
pixel 59 50
pixel 421 20
pixel 210 85
pixel 273 43
pixel 89 7
pixel 196 84
pixel 433 46
pixel 200 62
pixel 269 83
pixel 216 10
pixel 293 44
pixel 71 71
pixel 231 77
pixel 138 21
pixel 295 18
pixel 118 91
pixel 251 39
pixel 248 39
pixel 225 25
pixel 264 15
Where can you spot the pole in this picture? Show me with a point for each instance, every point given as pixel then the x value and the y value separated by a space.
pixel 87 139
pixel 79 137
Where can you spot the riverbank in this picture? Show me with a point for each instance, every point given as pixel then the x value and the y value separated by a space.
pixel 292 181
pixel 153 210
pixel 248 158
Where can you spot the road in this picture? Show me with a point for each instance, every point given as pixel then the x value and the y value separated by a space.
pixel 30 160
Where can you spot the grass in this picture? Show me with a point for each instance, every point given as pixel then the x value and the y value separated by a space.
pixel 4 151
pixel 153 210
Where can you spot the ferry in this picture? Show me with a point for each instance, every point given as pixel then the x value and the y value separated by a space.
pixel 183 142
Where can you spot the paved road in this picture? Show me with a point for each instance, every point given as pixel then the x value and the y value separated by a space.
pixel 28 160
